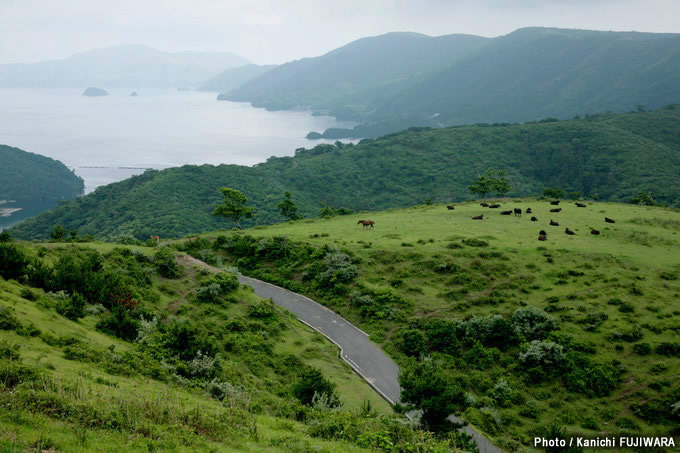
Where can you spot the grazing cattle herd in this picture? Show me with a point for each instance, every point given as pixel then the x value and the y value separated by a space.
pixel 542 235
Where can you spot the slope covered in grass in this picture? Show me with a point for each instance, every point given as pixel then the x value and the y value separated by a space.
pixel 116 348
pixel 579 332
pixel 612 157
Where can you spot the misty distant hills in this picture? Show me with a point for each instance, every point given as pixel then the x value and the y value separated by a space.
pixel 350 80
pixel 232 78
pixel 398 80
pixel 121 66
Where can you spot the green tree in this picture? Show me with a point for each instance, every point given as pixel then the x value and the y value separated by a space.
pixel 288 208
pixel 482 185
pixel 555 193
pixel 491 181
pixel 234 207
pixel 644 199
pixel 426 386
pixel 311 383
pixel 501 184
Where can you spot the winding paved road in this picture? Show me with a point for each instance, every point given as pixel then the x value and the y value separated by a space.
pixel 365 358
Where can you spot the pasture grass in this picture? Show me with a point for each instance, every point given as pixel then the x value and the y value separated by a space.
pixel 628 277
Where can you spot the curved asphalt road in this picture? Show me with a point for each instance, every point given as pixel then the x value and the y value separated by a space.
pixel 367 360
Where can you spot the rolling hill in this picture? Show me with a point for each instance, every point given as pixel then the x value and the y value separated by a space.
pixel 124 66
pixel 127 348
pixel 574 336
pixel 530 74
pixel 610 157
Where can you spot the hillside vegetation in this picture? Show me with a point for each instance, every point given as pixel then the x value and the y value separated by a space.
pixel 33 182
pixel 576 335
pixel 398 80
pixel 117 348
pixel 609 156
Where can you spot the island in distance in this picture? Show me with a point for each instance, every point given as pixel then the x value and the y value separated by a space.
pixel 94 91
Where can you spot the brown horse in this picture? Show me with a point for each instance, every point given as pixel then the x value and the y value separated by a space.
pixel 366 223
pixel 156 239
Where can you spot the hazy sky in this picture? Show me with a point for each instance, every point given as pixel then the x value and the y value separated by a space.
pixel 275 31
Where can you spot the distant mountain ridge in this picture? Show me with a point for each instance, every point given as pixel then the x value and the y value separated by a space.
pixel 398 80
pixel 232 78
pixel 126 66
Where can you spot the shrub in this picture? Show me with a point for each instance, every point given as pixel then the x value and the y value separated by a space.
pixel 72 308
pixel 413 342
pixel 591 378
pixel 502 393
pixel 492 330
pixel 531 323
pixel 642 348
pixel 668 349
pixel 473 242
pixel 119 323
pixel 263 310
pixel 338 268
pixel 542 354
pixel 7 319
pixel 165 263
pixel 209 293
pixel 12 261
pixel 311 383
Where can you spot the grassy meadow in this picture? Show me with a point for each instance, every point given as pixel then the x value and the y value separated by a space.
pixel 615 297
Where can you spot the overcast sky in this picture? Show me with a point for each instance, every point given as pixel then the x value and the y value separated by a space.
pixel 275 31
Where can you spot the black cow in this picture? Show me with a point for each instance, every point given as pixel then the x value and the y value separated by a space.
pixel 528 210
pixel 594 231
pixel 493 206
pixel 534 219
pixel 608 220
pixel 517 211
pixel 485 205
pixel 506 212
pixel 569 232
pixel 580 205
pixel 542 236
pixel 556 210
pixel 555 203
pixel 478 217
pixel 450 207
pixel 553 223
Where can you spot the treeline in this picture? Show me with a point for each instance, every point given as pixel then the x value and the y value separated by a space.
pixel 607 157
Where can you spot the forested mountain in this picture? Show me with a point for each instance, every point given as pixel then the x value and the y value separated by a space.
pixel 609 156
pixel 32 183
pixel 394 81
pixel 234 77
pixel 351 80
pixel 127 66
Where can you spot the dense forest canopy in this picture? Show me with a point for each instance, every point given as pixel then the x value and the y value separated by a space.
pixel 609 157
pixel 29 177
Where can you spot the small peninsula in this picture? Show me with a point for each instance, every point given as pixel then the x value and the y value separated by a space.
pixel 94 91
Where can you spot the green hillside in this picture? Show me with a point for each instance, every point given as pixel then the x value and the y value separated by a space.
pixel 33 183
pixel 529 74
pixel 119 348
pixel 610 156
pixel 578 334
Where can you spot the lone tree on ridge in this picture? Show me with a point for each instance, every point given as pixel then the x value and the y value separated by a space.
pixel 234 207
